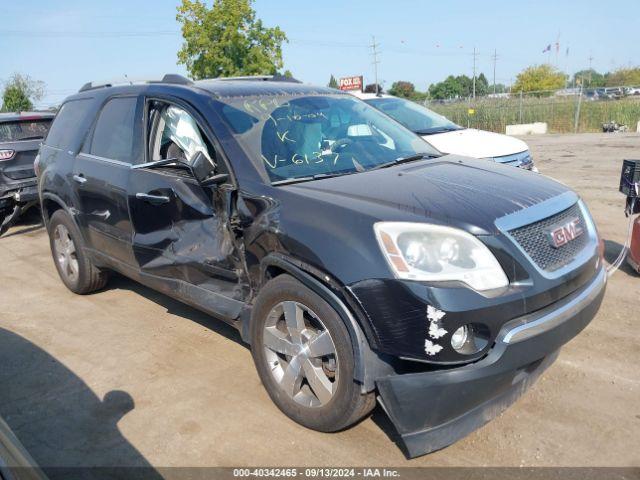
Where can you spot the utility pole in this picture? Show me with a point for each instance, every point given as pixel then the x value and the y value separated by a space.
pixel 474 72
pixel 590 70
pixel 374 46
pixel 495 60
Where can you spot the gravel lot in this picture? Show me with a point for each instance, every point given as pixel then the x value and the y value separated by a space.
pixel 130 377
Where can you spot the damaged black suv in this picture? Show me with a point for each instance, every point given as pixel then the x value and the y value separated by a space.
pixel 357 261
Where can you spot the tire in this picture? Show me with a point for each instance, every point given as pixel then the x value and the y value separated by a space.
pixel 324 395
pixel 75 268
pixel 3 216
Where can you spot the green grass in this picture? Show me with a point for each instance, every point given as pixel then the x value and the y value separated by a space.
pixel 558 113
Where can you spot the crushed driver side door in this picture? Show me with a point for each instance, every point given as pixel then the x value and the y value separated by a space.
pixel 182 242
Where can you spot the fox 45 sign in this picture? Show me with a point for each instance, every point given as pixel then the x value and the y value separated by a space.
pixel 350 83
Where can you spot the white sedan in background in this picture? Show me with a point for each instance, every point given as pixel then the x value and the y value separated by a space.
pixel 448 137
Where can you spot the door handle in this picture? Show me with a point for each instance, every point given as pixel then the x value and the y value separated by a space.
pixel 152 199
pixel 79 179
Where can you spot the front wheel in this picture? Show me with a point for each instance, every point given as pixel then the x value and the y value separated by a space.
pixel 303 354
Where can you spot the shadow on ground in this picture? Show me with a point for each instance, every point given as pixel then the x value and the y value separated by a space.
pixel 175 307
pixel 30 221
pixel 57 417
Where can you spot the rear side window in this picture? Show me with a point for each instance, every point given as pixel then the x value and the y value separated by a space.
pixel 67 122
pixel 114 131
pixel 24 130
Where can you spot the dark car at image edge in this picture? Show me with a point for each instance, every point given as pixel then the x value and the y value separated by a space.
pixel 357 261
pixel 20 137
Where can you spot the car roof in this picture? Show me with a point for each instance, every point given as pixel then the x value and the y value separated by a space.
pixel 368 96
pixel 224 88
pixel 219 87
pixel 16 116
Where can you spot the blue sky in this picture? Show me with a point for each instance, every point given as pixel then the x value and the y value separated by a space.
pixel 66 43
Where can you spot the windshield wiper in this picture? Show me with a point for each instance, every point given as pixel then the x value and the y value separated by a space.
pixel 432 131
pixel 318 176
pixel 399 161
pixel 33 137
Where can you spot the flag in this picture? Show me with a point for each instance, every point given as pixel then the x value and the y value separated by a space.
pixel 548 49
pixel 567 52
pixel 557 47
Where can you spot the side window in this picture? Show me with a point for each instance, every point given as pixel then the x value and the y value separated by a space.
pixel 115 131
pixel 69 119
pixel 174 133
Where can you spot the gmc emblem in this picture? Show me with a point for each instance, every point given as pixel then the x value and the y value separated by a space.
pixel 565 233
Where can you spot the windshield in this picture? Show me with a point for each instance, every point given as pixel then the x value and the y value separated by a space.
pixel 413 116
pixel 302 137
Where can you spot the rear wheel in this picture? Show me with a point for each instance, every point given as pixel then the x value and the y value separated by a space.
pixel 75 268
pixel 303 354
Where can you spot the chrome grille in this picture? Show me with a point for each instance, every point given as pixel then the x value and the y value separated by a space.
pixel 534 240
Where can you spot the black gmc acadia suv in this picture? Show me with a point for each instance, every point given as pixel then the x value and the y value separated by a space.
pixel 356 260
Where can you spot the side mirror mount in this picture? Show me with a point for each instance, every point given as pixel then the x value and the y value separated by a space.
pixel 202 167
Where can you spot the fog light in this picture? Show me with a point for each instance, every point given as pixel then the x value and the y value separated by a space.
pixel 459 338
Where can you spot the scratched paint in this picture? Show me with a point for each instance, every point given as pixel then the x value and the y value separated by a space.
pixel 435 328
pixel 434 316
pixel 431 348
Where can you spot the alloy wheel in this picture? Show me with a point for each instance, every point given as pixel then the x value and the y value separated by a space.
pixel 301 354
pixel 65 253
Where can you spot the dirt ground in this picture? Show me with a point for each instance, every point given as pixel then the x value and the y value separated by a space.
pixel 130 377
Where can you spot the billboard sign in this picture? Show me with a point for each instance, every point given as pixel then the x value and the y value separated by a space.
pixel 350 83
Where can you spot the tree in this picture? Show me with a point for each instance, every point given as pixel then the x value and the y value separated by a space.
pixel 539 77
pixel 589 78
pixel 402 89
pixel 333 83
pixel 499 87
pixel 371 88
pixel 624 77
pixel 460 86
pixel 20 92
pixel 227 40
pixel 482 85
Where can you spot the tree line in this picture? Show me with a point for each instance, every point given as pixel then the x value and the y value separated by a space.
pixel 537 78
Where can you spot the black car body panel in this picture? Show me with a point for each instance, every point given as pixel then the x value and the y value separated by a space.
pixel 213 246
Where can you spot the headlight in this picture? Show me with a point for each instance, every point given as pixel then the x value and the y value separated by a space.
pixel 526 158
pixel 418 251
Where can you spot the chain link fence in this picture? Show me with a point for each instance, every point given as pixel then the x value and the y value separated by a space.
pixel 564 111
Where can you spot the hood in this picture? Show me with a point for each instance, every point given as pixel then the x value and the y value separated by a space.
pixel 476 143
pixel 455 191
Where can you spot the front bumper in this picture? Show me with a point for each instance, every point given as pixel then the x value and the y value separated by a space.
pixel 434 409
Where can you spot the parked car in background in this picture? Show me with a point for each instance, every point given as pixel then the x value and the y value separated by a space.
pixel 20 137
pixel 590 94
pixel 357 261
pixel 610 93
pixel 448 137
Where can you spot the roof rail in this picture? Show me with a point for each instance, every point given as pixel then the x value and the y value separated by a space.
pixel 172 78
pixel 177 79
pixel 92 86
pixel 262 78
